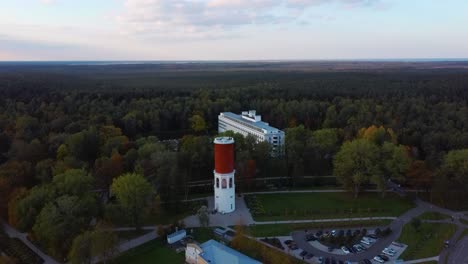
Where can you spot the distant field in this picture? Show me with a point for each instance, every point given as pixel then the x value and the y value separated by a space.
pixel 151 252
pixel 428 241
pixel 270 207
pixel 286 229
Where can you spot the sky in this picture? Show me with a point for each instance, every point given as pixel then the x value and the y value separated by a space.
pixel 232 29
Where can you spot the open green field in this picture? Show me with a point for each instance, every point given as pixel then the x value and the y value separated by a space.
pixel 463 221
pixel 271 230
pixel 295 206
pixel 151 252
pixel 428 241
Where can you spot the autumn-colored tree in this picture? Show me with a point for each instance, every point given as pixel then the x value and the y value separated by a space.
pixel 419 175
pixel 378 135
pixel 15 197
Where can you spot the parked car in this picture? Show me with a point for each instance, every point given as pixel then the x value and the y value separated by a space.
pixel 293 246
pixel 371 240
pixel 365 261
pixel 287 242
pixel 303 253
pixel 388 251
pixel 345 250
pixel 379 259
pixel 320 260
pixel 330 249
pixel 333 232
pixel 358 248
pixel 365 242
pixel 385 258
pixel 309 256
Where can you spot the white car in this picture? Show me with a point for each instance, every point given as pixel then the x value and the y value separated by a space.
pixel 358 248
pixel 345 250
pixel 389 252
pixel 378 259
pixel 333 232
pixel 371 240
pixel 365 242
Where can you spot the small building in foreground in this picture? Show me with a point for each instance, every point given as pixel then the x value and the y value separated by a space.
pixel 176 236
pixel 213 252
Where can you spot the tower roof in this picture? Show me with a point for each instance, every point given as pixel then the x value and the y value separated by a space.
pixel 224 140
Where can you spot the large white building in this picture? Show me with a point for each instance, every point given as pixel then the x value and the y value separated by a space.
pixel 249 123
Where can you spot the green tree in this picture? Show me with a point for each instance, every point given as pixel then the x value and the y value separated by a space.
pixel 198 123
pixel 356 163
pixel 203 216
pixel 61 220
pixel 133 194
pixel 80 251
pixel 100 244
pixel 73 182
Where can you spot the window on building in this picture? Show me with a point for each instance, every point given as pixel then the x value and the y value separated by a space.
pixel 223 183
pixel 217 182
pixel 230 182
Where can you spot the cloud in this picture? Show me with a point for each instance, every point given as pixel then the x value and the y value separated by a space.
pixel 216 18
pixel 48 2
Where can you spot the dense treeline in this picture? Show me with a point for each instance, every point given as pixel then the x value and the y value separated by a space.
pixel 67 136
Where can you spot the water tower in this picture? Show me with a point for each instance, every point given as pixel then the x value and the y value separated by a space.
pixel 224 186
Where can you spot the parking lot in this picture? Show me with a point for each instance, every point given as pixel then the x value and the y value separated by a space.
pixel 328 254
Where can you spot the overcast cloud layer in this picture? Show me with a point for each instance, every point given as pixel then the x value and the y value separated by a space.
pixel 232 29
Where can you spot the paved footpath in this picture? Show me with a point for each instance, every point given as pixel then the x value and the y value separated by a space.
pixel 436 258
pixel 23 237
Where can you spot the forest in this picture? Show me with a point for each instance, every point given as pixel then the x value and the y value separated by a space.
pixel 72 136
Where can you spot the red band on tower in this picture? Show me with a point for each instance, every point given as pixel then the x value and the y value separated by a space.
pixel 224 155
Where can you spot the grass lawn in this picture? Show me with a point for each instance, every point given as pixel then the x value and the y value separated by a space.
pixel 286 229
pixel 201 234
pixel 427 242
pixel 433 216
pixel 151 252
pixel 463 221
pixel 268 207
pixel 259 251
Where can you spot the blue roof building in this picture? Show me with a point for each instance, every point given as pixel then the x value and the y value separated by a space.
pixel 213 252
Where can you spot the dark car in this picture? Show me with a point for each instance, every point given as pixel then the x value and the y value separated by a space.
pixel 385 258
pixel 340 262
pixel 303 253
pixel 309 256
pixel 287 242
pixel 330 249
pixel 327 261
pixel 293 246
pixel 341 233
pixel 365 261
pixel 333 261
